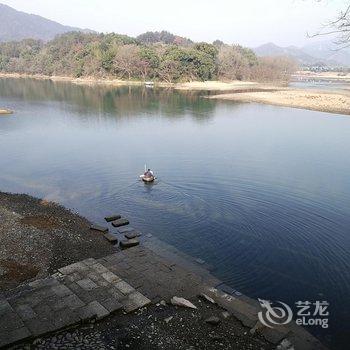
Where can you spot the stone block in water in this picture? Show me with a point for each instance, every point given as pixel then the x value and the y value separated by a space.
pixel 120 222
pixel 112 218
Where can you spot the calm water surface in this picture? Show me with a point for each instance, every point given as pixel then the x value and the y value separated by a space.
pixel 260 192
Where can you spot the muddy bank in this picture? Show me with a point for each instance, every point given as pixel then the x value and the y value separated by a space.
pixel 306 99
pixel 37 237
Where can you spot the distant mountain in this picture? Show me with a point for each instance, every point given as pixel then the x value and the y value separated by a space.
pixel 311 54
pixel 327 50
pixel 17 25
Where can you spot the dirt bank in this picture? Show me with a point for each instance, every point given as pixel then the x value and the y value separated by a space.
pixel 306 99
pixel 38 237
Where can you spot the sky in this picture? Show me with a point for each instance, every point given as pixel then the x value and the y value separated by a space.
pixel 247 22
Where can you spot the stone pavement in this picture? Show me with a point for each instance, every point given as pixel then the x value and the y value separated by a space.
pixel 76 293
pixel 127 280
pixel 160 278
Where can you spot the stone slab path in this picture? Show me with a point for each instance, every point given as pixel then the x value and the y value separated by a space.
pixel 126 280
pixel 76 293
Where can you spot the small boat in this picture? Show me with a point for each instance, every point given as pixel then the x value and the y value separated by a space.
pixel 147 176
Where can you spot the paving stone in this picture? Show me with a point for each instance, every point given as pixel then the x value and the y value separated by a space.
pixel 40 326
pixel 25 312
pixel 99 268
pixel 89 261
pixel 10 321
pixel 5 307
pixel 116 293
pixel 94 276
pixel 124 287
pixel 135 301
pixel 110 237
pixel 113 258
pixel 111 277
pixel 99 228
pixel 76 267
pixel 42 309
pixel 46 282
pixel 102 283
pixel 132 234
pixel 73 277
pixel 274 335
pixel 129 243
pixel 64 318
pixel 111 304
pixel 97 309
pixel 75 288
pixel 61 290
pixel 71 301
pixel 124 229
pixel 120 222
pixel 112 217
pixel 87 284
pixel 14 336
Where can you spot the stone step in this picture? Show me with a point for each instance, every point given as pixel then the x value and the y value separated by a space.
pixel 128 243
pixel 124 229
pixel 76 293
pixel 99 228
pixel 111 237
pixel 112 217
pixel 132 234
pixel 120 222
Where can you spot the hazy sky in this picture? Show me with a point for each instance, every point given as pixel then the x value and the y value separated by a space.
pixel 248 22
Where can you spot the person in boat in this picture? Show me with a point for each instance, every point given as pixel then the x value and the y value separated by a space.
pixel 148 173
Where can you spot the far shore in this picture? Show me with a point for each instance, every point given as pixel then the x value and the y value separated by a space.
pixel 5 111
pixel 241 91
pixel 324 76
pixel 323 101
pixel 236 85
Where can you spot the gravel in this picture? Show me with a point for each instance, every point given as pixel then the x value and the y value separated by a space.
pixel 38 237
pixel 157 327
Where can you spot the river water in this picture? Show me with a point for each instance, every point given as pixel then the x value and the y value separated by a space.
pixel 262 193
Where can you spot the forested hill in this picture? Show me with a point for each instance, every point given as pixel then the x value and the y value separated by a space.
pixel 17 25
pixel 152 56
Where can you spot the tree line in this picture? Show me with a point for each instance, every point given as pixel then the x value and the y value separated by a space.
pixel 159 56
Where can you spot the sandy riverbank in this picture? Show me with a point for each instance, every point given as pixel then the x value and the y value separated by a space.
pixel 190 86
pixel 326 76
pixel 4 111
pixel 306 99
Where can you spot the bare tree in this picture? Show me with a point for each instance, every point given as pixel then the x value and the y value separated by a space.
pixel 340 27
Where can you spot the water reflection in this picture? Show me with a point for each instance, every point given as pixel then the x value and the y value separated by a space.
pixel 110 101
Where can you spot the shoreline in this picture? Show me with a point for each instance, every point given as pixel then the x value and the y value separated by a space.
pixel 322 76
pixel 155 271
pixel 187 86
pixel 5 111
pixel 336 102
